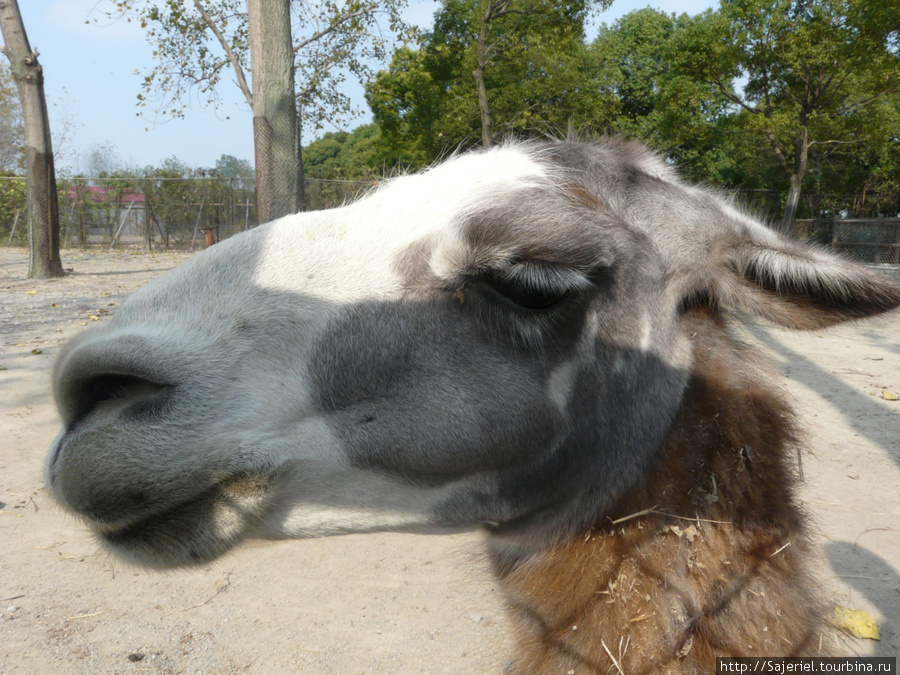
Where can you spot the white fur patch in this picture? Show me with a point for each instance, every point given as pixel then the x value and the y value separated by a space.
pixel 322 499
pixel 646 334
pixel 560 385
pixel 348 254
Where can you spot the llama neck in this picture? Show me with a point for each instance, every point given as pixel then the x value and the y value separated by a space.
pixel 705 558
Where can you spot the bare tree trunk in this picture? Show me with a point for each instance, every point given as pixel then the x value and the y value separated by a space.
pixel 275 125
pixel 487 138
pixel 801 162
pixel 43 209
pixel 790 207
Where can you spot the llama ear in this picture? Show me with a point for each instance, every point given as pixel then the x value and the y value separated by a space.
pixel 802 287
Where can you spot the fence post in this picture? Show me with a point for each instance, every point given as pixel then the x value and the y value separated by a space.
pixel 197 226
pixel 148 231
pixel 121 224
pixel 231 209
pixel 68 205
pixel 13 231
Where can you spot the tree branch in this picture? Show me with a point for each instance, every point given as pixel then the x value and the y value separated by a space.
pixel 501 8
pixel 315 79
pixel 782 160
pixel 334 26
pixel 235 62
pixel 853 142
pixel 859 104
pixel 735 99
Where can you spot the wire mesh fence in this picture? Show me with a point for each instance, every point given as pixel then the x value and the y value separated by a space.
pixel 875 241
pixel 192 212
pixel 153 212
pixel 769 204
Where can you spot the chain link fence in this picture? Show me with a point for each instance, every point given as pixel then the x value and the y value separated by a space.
pixel 189 213
pixel 769 204
pixel 874 241
pixel 179 213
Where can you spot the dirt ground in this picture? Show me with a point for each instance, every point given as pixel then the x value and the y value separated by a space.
pixel 374 603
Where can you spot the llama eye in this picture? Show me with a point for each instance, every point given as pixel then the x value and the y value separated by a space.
pixel 527 297
pixel 528 290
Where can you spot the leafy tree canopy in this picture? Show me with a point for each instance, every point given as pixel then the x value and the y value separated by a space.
pixel 809 77
pixel 533 61
pixel 342 155
pixel 655 103
pixel 229 166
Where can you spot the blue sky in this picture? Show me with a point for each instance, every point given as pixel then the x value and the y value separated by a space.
pixel 92 81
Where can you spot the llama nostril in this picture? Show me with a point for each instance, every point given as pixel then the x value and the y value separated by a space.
pixel 92 393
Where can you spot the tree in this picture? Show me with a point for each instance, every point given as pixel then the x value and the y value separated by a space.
pixel 43 209
pixel 406 103
pixel 510 42
pixel 276 136
pixel 239 170
pixel 100 160
pixel 815 73
pixel 342 155
pixel 488 68
pixel 675 114
pixel 12 129
pixel 291 71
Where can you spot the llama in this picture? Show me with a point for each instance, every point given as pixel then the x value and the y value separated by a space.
pixel 537 339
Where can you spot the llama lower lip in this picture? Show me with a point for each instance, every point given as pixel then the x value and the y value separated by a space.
pixel 194 531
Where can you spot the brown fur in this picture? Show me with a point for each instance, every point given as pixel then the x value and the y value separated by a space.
pixel 718 565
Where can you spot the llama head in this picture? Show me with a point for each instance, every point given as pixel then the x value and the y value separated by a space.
pixel 499 340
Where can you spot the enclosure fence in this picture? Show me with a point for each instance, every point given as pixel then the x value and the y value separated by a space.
pixel 875 241
pixel 190 213
pixel 154 212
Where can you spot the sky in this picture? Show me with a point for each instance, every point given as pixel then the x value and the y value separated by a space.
pixel 92 69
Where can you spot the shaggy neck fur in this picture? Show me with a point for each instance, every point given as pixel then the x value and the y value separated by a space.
pixel 706 558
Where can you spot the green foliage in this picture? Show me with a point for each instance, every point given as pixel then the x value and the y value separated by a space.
pixel 173 194
pixel 342 155
pixel 406 103
pixel 676 114
pixel 745 96
pixel 229 166
pixel 537 75
pixel 13 202
pixel 239 170
pixel 186 49
pixel 12 129
pixel 817 75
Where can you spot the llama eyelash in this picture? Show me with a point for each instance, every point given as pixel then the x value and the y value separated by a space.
pixel 532 285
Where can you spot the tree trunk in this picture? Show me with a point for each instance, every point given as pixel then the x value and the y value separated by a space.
pixel 43 208
pixel 790 207
pixel 801 162
pixel 481 61
pixel 279 176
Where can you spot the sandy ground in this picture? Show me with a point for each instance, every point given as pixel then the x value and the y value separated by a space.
pixel 375 603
